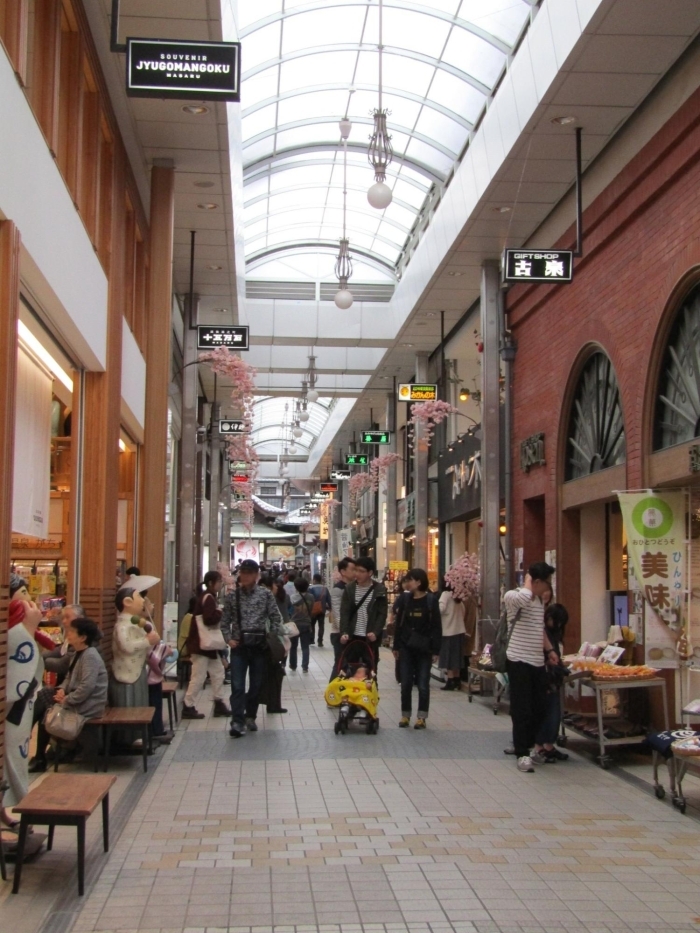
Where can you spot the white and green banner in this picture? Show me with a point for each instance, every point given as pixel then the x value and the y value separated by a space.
pixel 656 546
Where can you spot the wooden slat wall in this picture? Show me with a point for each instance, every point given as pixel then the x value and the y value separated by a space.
pixel 9 312
pixel 99 605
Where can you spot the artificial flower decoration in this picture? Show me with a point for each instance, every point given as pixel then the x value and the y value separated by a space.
pixel 464 576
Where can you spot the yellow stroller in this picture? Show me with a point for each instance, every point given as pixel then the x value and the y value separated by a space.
pixel 355 699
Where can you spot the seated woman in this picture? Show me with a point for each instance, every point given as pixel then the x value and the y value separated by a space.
pixel 85 687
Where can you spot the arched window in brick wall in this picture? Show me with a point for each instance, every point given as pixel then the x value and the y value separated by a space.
pixel 596 437
pixel 677 416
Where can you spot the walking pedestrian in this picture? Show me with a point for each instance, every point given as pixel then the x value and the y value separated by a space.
pixel 417 639
pixel 346 572
pixel 322 605
pixel 528 646
pixel 302 617
pixel 546 752
pixel 274 673
pixel 205 660
pixel 363 607
pixel 250 614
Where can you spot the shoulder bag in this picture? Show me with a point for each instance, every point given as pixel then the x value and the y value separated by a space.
pixel 317 608
pixel 255 640
pixel 63 723
pixel 211 638
pixel 504 633
pixel 416 640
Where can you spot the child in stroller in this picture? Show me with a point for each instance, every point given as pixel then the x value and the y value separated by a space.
pixel 353 690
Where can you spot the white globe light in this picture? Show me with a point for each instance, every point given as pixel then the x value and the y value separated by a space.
pixel 292 449
pixel 297 432
pixel 284 471
pixel 303 416
pixel 343 299
pixel 312 394
pixel 379 195
pixel 345 127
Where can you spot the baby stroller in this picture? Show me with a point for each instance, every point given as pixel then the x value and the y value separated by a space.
pixel 355 699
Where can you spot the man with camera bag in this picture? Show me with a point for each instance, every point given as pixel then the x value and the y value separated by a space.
pixel 250 616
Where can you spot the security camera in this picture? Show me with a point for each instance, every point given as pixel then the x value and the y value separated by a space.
pixel 201 434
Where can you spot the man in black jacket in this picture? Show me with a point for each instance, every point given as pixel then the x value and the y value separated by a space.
pixel 363 607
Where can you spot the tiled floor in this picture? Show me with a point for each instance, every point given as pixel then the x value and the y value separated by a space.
pixel 297 830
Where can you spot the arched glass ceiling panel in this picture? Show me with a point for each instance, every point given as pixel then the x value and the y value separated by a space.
pixel 307 63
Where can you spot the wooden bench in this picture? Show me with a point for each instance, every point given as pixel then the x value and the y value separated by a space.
pixel 64 800
pixel 170 694
pixel 124 717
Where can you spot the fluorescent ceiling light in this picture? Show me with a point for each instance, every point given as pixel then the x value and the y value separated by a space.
pixel 30 341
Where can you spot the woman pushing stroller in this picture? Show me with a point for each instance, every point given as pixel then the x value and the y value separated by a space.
pixel 363 607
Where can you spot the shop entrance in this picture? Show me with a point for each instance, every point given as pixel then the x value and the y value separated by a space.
pixel 603 567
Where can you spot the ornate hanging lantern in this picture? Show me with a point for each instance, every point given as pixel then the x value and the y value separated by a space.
pixel 343 263
pixel 380 152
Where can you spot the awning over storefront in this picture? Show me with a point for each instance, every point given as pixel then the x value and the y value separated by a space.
pixel 261 532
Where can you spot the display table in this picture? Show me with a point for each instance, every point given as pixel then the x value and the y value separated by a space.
pixel 484 677
pixel 599 687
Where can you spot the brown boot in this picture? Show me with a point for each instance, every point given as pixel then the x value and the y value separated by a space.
pixel 221 709
pixel 190 712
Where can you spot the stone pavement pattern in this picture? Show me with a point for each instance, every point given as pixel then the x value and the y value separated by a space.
pixel 297 830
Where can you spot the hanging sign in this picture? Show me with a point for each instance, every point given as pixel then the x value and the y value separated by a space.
pixel 655 527
pixel 323 528
pixel 400 565
pixel 329 487
pixel 411 392
pixel 232 427
pixel 209 338
pixel 356 459
pixel 178 70
pixel 376 437
pixel 339 474
pixel 538 265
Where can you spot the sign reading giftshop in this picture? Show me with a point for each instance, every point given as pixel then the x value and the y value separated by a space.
pixel 356 459
pixel 376 437
pixel 179 70
pixel 411 392
pixel 232 427
pixel 538 265
pixel 209 338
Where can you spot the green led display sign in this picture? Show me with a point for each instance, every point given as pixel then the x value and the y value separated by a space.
pixel 376 437
pixel 356 459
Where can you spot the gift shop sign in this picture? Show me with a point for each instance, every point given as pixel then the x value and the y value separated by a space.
pixel 538 265
pixel 183 70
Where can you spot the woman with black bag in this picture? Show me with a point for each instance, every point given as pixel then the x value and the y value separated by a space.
pixel 302 616
pixel 546 752
pixel 417 639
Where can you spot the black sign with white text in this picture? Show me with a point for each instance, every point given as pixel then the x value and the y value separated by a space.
pixel 340 474
pixel 538 265
pixel 169 68
pixel 210 337
pixel 232 427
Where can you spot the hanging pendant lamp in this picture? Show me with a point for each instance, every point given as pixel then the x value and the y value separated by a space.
pixel 343 264
pixel 380 152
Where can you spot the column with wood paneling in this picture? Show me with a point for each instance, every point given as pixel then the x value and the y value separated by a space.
pixel 101 423
pixel 152 505
pixel 9 312
pixel 14 15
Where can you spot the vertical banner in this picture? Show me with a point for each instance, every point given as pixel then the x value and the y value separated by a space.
pixel 657 550
pixel 31 488
pixel 323 527
pixel 344 543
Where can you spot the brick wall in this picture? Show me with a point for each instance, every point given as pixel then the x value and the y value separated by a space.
pixel 642 240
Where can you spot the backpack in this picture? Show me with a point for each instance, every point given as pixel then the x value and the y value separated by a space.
pixel 504 632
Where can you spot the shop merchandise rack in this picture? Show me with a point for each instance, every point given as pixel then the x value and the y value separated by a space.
pixel 599 688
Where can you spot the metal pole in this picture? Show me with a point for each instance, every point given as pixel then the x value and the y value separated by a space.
pixel 579 196
pixel 187 493
pixel 391 510
pixel 226 522
pixel 491 440
pixel 508 351
pixel 420 460
pixel 214 485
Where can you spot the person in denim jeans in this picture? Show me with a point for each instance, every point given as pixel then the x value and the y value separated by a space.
pixel 417 638
pixel 302 603
pixel 250 612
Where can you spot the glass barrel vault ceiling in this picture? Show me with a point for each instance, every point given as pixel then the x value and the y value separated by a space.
pixel 306 65
pixel 273 423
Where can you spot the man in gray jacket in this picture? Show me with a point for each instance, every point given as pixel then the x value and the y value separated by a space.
pixel 250 612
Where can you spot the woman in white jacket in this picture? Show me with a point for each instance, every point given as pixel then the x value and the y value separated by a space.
pixel 452 611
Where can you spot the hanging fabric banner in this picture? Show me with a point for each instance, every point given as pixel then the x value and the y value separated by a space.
pixel 656 546
pixel 31 488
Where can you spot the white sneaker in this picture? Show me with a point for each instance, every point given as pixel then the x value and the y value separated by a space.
pixel 525 764
pixel 538 758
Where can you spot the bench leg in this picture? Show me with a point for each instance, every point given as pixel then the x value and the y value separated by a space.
pixel 174 696
pixel 105 822
pixel 170 710
pixel 3 866
pixel 49 841
pixel 108 744
pixel 81 854
pixel 19 858
pixel 145 743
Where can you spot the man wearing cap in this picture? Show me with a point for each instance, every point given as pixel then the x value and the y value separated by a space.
pixel 250 613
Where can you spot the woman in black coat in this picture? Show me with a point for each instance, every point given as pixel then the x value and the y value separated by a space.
pixel 417 638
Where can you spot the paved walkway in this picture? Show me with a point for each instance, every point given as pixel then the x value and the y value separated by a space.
pixel 297 830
